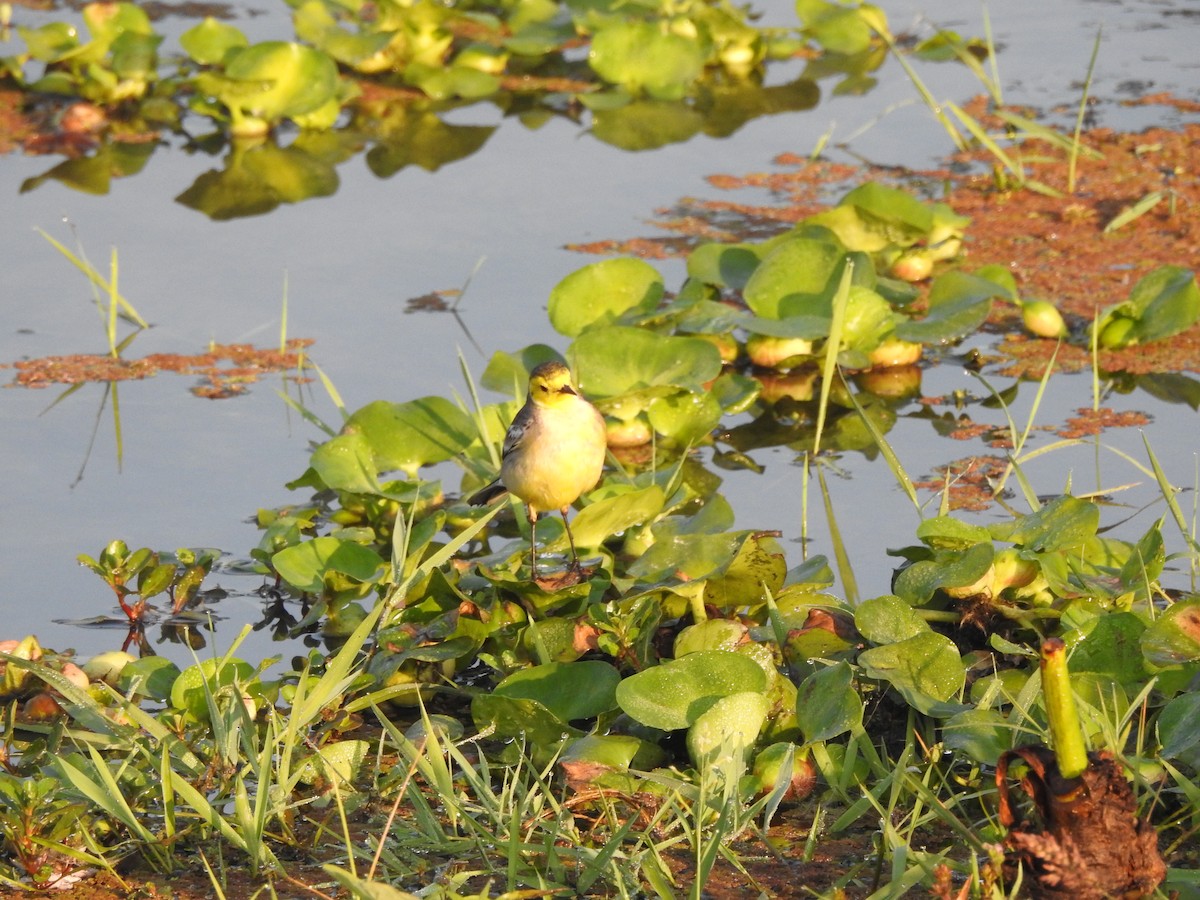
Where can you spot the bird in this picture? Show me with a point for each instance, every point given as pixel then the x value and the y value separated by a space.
pixel 553 452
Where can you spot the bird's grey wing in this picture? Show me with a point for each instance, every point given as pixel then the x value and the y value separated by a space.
pixel 517 430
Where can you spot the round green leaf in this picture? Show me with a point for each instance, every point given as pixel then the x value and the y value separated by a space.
pixel 926 669
pixel 288 79
pixel 1174 637
pixel 616 361
pixel 887 619
pixel 208 42
pixel 793 279
pixel 570 690
pixel 982 734
pixel 1179 725
pixel 305 565
pixel 675 694
pixel 598 294
pixel 727 729
pixel 827 704
pixel 409 435
pixel 642 57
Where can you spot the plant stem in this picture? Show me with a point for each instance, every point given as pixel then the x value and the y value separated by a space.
pixel 1065 730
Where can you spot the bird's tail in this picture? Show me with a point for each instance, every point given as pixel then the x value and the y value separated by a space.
pixel 486 495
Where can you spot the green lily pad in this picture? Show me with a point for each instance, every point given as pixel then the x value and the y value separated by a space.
pixel 676 693
pixel 347 463
pixel 827 705
pixel 926 669
pixel 598 294
pixel 569 690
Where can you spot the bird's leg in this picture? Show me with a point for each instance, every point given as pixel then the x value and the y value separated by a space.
pixel 571 540
pixel 532 514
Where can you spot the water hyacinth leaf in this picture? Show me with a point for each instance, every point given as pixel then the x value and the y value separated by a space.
pixel 1065 522
pixel 794 279
pixel 615 751
pixel 827 705
pixel 406 436
pixel 887 620
pixel 1161 305
pixel 874 216
pixel 644 58
pixel 926 669
pixel 49 42
pixel 274 80
pixel 725 265
pixel 982 734
pixel 336 761
pixel 673 695
pixel 570 690
pixel 838 28
pixel 441 83
pixel 599 521
pixel 615 361
pixel 958 304
pixel 758 567
pixel 686 417
pixel 305 565
pixel 945 532
pixel 346 463
pixel 693 556
pixel 1179 725
pixel 1111 647
pixel 509 372
pixel 518 717
pixel 1173 638
pixel 947 569
pixel 209 42
pixel 150 676
pixel 868 320
pixel 188 691
pixel 727 729
pixel 598 294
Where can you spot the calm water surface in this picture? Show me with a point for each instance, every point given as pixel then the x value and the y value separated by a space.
pixel 194 471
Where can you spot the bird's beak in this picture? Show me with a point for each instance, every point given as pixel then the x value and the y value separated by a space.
pixel 566 389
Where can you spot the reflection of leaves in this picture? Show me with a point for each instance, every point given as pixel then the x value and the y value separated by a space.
pixel 257 179
pixel 418 137
pixel 727 107
pixel 93 174
pixel 646 124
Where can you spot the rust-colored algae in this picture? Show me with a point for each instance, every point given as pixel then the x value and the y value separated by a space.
pixel 226 368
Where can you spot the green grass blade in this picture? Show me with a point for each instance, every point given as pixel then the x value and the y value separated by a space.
pixel 889 455
pixel 832 345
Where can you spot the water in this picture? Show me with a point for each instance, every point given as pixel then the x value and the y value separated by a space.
pixel 194 471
